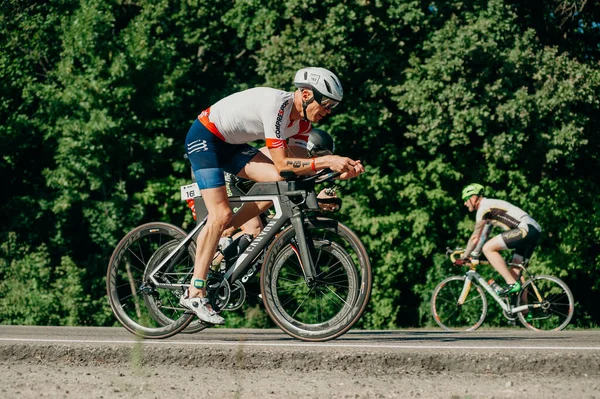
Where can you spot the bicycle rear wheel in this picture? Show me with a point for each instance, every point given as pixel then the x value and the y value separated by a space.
pixel 129 292
pixel 163 305
pixel 550 301
pixel 451 316
pixel 342 290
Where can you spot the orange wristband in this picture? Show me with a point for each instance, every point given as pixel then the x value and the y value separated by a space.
pixel 312 165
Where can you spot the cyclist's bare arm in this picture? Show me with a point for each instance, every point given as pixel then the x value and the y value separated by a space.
pixel 293 151
pixel 474 240
pixel 302 166
pixel 298 152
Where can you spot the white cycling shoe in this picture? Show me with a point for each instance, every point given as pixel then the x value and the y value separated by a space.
pixel 198 306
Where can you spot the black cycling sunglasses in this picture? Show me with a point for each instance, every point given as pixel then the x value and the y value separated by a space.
pixel 324 101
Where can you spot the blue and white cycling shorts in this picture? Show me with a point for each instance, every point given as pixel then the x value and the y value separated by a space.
pixel 210 156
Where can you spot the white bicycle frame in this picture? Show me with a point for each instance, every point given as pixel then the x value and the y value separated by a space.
pixel 473 275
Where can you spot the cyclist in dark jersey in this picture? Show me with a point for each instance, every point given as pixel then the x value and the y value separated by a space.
pixel 521 233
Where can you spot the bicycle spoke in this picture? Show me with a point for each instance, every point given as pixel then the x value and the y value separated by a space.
pixel 295 295
pixel 302 303
pixel 448 314
pixel 141 307
pixel 554 312
pixel 338 271
pixel 290 294
pixel 140 260
pixel 293 283
pixel 339 297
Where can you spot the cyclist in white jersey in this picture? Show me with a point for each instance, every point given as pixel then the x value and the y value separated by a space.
pixel 521 233
pixel 218 141
pixel 319 143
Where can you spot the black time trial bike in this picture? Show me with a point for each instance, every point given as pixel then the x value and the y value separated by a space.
pixel 315 279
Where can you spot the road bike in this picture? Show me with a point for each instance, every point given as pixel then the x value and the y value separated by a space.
pixel 545 303
pixel 315 279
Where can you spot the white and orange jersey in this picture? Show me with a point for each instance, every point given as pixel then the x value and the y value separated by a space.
pixel 504 214
pixel 261 113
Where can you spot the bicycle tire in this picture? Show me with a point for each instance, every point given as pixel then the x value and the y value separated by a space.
pixel 453 317
pixel 340 297
pixel 125 279
pixel 556 308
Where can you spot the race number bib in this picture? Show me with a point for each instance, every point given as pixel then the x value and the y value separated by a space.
pixel 189 191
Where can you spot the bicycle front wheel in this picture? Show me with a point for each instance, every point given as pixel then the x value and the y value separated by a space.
pixel 550 301
pixel 340 294
pixel 452 316
pixel 133 299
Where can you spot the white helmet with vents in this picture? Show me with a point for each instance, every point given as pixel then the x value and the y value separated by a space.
pixel 322 82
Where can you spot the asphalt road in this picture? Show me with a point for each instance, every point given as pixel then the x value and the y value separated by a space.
pixel 582 341
pixel 254 363
pixel 561 347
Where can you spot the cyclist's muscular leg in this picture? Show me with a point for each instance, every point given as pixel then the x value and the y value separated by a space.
pixel 259 169
pixel 248 211
pixel 517 259
pixel 253 226
pixel 219 216
pixel 490 250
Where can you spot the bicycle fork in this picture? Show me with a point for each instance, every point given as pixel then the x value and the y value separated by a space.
pixel 304 250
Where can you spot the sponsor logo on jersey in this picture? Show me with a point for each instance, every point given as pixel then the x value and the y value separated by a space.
pixel 280 119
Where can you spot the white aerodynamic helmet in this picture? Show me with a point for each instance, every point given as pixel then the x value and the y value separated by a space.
pixel 322 82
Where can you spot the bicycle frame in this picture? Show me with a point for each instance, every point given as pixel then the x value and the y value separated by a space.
pixel 290 199
pixel 543 303
pixel 472 275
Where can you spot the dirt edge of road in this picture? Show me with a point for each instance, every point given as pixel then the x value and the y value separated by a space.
pixel 365 362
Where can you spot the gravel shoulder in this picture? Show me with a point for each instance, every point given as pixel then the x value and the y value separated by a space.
pixel 28 380
pixel 107 363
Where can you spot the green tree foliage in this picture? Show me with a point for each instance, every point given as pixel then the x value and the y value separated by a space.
pixel 97 96
pixel 518 117
pixel 33 292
